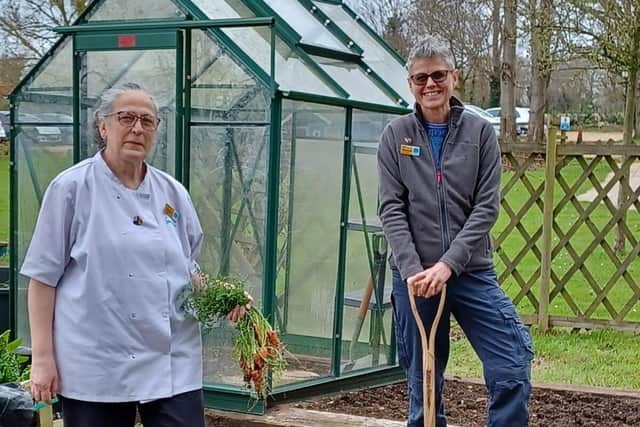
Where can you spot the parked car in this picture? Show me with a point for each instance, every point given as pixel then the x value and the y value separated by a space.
pixel 4 125
pixel 34 133
pixel 495 121
pixel 522 118
pixel 62 119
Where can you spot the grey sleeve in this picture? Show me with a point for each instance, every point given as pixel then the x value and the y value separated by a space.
pixel 50 248
pixel 393 208
pixel 486 206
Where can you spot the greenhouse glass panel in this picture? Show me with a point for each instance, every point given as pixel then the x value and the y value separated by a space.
pixel 368 315
pixel 354 80
pixel 367 319
pixel 221 9
pixel 38 161
pixel 367 127
pixel 309 234
pixel 375 54
pixel 49 91
pixel 311 30
pixel 221 90
pixel 228 188
pixel 292 73
pixel 155 70
pixel 113 10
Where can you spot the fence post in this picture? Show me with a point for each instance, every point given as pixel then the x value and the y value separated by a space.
pixel 547 229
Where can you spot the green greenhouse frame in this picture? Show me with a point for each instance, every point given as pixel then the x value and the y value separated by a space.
pixel 271 112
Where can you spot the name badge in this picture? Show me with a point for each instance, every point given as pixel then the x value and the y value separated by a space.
pixel 171 215
pixel 409 150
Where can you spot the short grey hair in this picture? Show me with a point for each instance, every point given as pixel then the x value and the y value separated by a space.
pixel 105 105
pixel 430 46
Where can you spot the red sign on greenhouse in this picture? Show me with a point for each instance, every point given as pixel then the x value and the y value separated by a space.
pixel 127 41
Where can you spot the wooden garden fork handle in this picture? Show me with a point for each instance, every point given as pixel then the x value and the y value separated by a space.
pixel 428 359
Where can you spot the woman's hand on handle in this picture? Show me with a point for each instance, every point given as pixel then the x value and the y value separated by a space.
pixel 430 282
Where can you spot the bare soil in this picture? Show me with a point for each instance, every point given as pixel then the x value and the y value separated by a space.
pixel 466 405
pixel 595 136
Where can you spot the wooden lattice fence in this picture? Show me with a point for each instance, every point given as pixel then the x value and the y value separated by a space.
pixel 555 239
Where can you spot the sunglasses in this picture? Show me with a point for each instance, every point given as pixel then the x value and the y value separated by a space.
pixel 438 76
pixel 128 119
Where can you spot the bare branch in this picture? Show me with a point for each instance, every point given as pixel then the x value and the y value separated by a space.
pixel 26 25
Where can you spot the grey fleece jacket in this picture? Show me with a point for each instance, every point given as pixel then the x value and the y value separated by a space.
pixel 430 215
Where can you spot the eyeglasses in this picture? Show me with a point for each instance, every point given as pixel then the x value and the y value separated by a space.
pixel 438 76
pixel 128 119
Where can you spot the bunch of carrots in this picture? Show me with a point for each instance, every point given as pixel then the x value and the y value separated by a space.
pixel 257 348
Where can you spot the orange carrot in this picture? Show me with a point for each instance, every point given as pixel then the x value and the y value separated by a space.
pixel 258 361
pixel 272 337
pixel 264 353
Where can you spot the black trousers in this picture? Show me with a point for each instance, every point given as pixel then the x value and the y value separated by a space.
pixel 181 410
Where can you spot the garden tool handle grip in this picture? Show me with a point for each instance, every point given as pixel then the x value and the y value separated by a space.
pixel 428 358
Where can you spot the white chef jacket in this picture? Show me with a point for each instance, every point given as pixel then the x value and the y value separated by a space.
pixel 118 258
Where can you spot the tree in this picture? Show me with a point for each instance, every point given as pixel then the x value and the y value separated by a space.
pixel 496 53
pixel 540 15
pixel 464 25
pixel 608 32
pixel 26 28
pixel 26 25
pixel 508 77
pixel 11 69
pixel 578 87
pixel 388 18
pixel 637 131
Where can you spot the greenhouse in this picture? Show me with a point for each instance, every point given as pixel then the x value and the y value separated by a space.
pixel 270 115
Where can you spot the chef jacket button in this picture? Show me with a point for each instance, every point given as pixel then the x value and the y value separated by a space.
pixel 130 275
pixel 118 196
pixel 165 314
pixel 133 356
pixel 133 315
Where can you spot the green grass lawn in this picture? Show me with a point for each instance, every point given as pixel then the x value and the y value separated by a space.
pixel 600 358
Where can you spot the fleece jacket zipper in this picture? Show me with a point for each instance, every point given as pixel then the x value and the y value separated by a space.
pixel 442 198
pixel 444 234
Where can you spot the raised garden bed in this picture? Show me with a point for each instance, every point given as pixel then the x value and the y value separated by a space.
pixel 466 404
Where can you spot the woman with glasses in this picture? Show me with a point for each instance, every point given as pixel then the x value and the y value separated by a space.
pixel 439 171
pixel 115 243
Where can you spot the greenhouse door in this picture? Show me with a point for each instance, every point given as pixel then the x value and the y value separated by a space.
pixel 105 59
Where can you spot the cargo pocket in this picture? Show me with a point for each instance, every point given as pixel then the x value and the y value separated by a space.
pixel 520 331
pixel 403 359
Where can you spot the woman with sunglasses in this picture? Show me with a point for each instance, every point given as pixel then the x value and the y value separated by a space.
pixel 439 171
pixel 115 243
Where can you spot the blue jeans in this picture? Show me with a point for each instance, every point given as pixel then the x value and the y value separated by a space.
pixel 490 322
